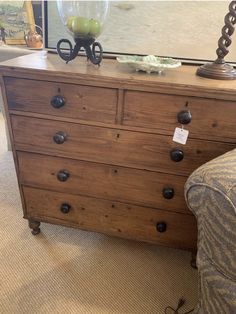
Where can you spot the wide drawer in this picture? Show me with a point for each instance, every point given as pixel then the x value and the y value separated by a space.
pixel 139 187
pixel 81 102
pixel 211 118
pixel 113 146
pixel 113 218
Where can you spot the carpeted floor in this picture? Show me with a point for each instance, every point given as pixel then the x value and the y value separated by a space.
pixel 66 270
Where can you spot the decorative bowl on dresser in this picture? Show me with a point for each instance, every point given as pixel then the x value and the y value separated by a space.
pixel 93 146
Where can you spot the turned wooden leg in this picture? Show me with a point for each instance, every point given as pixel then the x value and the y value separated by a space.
pixel 34 225
pixel 193 259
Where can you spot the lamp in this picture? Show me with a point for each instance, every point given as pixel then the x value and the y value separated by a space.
pixel 219 69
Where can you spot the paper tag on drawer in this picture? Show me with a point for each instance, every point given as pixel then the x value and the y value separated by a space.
pixel 180 136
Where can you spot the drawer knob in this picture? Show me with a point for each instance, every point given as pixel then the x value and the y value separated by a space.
pixel 63 175
pixel 161 226
pixel 58 101
pixel 184 117
pixel 65 208
pixel 168 193
pixel 176 155
pixel 59 137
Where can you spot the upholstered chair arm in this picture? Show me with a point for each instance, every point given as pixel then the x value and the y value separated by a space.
pixel 210 193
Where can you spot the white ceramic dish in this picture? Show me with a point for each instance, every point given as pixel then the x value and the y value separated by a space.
pixel 149 63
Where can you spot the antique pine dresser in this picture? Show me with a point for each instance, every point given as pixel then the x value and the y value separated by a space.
pixel 93 146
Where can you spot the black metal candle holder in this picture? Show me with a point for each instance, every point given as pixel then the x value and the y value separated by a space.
pixel 89 46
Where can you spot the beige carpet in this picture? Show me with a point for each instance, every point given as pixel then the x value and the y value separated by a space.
pixel 66 270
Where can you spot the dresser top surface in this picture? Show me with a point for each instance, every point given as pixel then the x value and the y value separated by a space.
pixel 111 74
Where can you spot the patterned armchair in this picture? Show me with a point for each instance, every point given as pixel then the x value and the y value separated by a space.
pixel 211 195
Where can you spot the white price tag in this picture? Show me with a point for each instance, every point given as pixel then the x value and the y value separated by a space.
pixel 180 136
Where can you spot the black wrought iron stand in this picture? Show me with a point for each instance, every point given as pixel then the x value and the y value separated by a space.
pixel 89 46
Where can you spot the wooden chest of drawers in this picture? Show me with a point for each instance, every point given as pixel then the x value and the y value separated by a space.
pixel 93 146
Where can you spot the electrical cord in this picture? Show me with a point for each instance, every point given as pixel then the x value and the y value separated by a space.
pixel 180 304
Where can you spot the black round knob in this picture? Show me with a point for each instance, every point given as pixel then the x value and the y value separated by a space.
pixel 168 193
pixel 59 137
pixel 63 175
pixel 65 208
pixel 161 226
pixel 58 101
pixel 176 155
pixel 184 117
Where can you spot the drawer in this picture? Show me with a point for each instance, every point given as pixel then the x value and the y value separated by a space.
pixel 112 146
pixel 103 181
pixel 114 218
pixel 160 111
pixel 81 102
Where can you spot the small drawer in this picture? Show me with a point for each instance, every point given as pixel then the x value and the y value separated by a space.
pixel 114 218
pixel 110 146
pixel 63 100
pixel 103 181
pixel 204 118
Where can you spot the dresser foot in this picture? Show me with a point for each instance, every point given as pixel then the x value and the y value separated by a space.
pixel 193 259
pixel 34 225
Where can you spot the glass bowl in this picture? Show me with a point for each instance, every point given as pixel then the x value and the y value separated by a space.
pixel 83 19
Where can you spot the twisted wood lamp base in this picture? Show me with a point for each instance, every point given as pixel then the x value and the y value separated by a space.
pixel 219 69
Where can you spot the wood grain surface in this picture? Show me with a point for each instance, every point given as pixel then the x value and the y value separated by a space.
pixel 81 102
pixel 182 81
pixel 114 218
pixel 160 111
pixel 116 127
pixel 102 181
pixel 113 146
